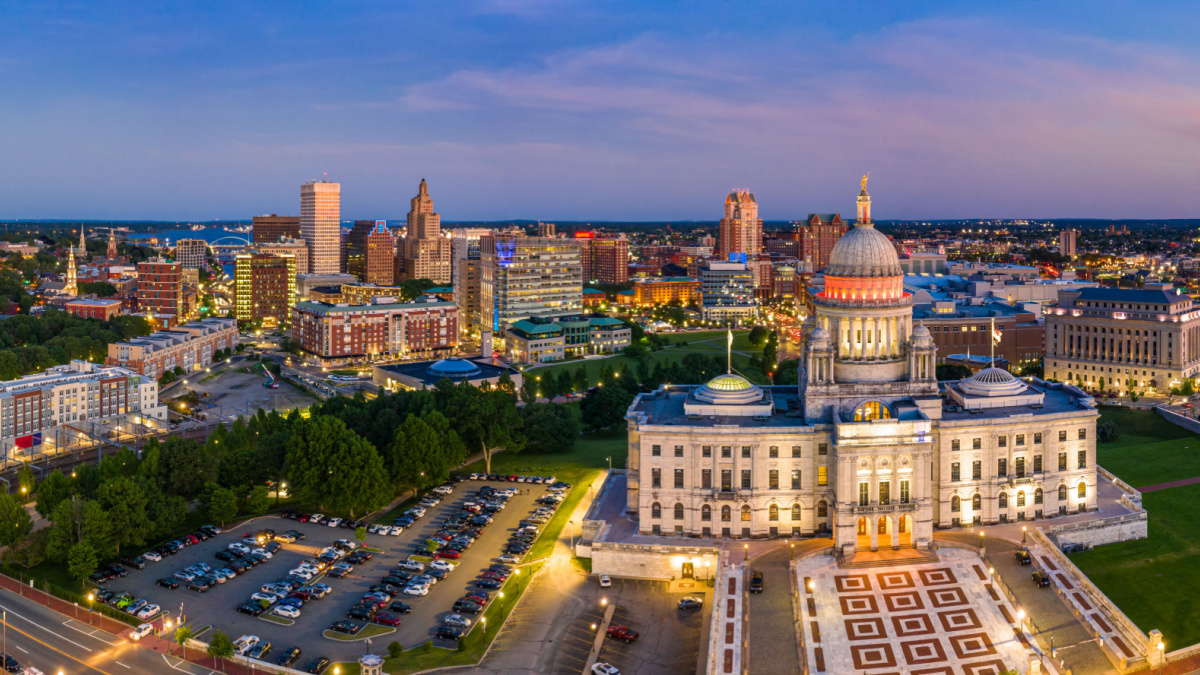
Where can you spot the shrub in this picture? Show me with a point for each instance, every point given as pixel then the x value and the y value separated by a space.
pixel 395 649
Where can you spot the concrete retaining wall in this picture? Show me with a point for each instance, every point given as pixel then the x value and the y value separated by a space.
pixel 1177 419
pixel 1102 531
pixel 641 561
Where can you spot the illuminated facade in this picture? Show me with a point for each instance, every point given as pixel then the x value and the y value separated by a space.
pixel 426 251
pixel 650 291
pixel 523 277
pixel 264 288
pixel 865 448
pixel 741 229
pixel 320 226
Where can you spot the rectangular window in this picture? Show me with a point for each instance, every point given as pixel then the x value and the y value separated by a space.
pixel 1037 463
pixel 774 451
pixel 1020 439
pixel 954 472
pixel 955 444
pixel 773 479
pixel 746 479
pixel 1020 462
pixel 822 476
pixel 823 449
pixel 656 451
pixel 1062 461
pixel 746 451
pixel 976 443
pixel 1002 467
pixel 706 478
pixel 1082 434
pixel 904 497
pixel 864 494
pixel 656 478
pixel 1020 499
pixel 726 451
pixel 976 470
pixel 678 478
pixel 706 451
pixel 1082 459
pixel 1062 437
pixel 679 451
pixel 885 493
pixel 795 479
pixel 726 480
pixel 795 451
pixel 1002 441
pixel 1037 438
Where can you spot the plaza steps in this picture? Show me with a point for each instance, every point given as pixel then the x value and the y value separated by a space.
pixel 868 559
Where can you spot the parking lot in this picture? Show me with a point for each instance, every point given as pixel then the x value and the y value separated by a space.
pixel 217 606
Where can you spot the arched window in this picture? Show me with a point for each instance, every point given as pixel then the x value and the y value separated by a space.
pixel 745 513
pixel 773 512
pixel 872 410
pixel 1082 490
pixel 822 510
pixel 1020 499
pixel 706 512
pixel 795 512
pixel 679 512
pixel 725 514
pixel 1062 493
pixel 977 503
pixel 655 510
pixel 1037 496
pixel 1004 500
pixel 955 504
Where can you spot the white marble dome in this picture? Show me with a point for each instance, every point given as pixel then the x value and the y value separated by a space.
pixel 992 382
pixel 921 337
pixel 863 252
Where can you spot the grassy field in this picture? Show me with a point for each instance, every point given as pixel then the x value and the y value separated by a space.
pixel 709 343
pixel 1153 580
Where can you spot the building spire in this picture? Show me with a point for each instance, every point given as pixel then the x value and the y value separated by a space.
pixel 71 288
pixel 82 244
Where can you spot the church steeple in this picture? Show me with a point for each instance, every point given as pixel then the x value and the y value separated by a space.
pixel 72 288
pixel 111 254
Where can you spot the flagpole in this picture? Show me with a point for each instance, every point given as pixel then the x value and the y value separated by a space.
pixel 992 342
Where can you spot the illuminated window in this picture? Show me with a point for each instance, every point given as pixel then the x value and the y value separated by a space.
pixel 872 410
pixel 746 513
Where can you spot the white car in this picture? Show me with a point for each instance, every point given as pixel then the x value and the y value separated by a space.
pixel 141 631
pixel 225 572
pixel 396 530
pixel 411 565
pixel 286 611
pixel 316 518
pixel 417 511
pixel 245 643
pixel 474 476
pixel 269 596
pixel 605 581
pixel 373 529
pixel 457 620
pixel 334 522
pixel 239 547
pixel 443 490
pixel 509 558
pixel 302 574
pixel 148 611
pixel 416 590
pixel 152 556
pixel 605 669
pixel 263 552
pixel 442 565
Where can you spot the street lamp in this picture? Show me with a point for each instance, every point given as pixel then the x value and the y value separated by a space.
pixel 792 546
pixel 1023 528
pixel 1162 656
pixel 604 602
pixel 812 585
pixel 746 548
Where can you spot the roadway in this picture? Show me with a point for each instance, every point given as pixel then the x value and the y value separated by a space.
pixel 60 645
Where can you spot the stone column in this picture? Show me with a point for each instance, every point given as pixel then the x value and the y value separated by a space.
pixel 894 324
pixel 873 523
pixel 896 533
pixel 876 336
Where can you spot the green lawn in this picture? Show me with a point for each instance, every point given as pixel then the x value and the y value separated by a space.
pixel 709 343
pixel 1153 580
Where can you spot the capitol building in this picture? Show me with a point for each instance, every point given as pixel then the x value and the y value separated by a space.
pixel 870 448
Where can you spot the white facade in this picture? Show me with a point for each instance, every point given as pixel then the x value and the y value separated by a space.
pixel 320 226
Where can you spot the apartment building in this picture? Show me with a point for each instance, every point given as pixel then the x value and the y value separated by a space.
pixel 189 347
pixel 160 287
pixel 340 333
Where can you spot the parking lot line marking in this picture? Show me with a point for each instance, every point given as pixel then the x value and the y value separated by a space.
pixel 61 637
pixel 121 664
pixel 22 649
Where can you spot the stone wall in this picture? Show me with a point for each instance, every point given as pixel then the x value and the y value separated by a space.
pixel 1177 419
pixel 646 561
pixel 1102 531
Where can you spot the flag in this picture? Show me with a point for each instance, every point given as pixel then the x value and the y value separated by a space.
pixel 729 342
pixel 29 441
pixel 996 335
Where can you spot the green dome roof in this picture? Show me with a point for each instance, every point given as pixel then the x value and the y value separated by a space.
pixel 729 382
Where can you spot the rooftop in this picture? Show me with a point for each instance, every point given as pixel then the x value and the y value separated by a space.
pixel 665 407
pixel 326 309
pixel 432 372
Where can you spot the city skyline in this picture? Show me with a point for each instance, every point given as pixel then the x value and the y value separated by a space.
pixel 1036 112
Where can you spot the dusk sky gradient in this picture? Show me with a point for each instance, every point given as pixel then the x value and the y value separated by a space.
pixel 622 110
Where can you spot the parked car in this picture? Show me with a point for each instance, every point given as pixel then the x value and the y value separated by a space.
pixel 386 619
pixel 317 665
pixel 1041 579
pixel 259 651
pixel 1024 557
pixel 622 633
pixel 286 611
pixel 605 581
pixel 605 669
pixel 245 643
pixel 168 582
pixel 457 620
pixel 288 657
pixel 691 602
pixel 756 582
pixel 251 608
pixel 449 633
pixel 347 627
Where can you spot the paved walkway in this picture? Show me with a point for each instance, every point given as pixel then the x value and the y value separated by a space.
pixel 772 633
pixel 1169 484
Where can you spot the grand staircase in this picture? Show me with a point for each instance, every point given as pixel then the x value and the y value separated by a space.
pixel 885 558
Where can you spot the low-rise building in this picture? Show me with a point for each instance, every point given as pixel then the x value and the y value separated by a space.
pixel 726 292
pixel 35 407
pixel 593 298
pixel 189 347
pixel 385 329
pixel 651 291
pixel 420 375
pixel 95 308
pixel 544 340
pixel 964 328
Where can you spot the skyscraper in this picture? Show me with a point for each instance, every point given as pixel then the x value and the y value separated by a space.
pixel 605 257
pixel 380 255
pixel 426 252
pixel 264 288
pixel 320 224
pixel 741 228
pixel 523 277
pixel 191 253
pixel 1066 243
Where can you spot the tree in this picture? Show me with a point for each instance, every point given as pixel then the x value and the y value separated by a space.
pixel 565 383
pixel 221 503
pixel 76 521
pixel 258 500
pixel 15 522
pixel 185 467
pixel 949 371
pixel 395 650
pixel 549 427
pixel 29 553
pixel 360 533
pixel 771 353
pixel 1107 431
pixel 220 647
pixel 51 492
pixel 26 479
pixel 605 407
pixel 82 560
pixel 529 388
pixel 417 460
pixel 125 502
pixel 1187 387
pixel 497 425
pixel 331 466
pixel 580 379
pixel 167 512
pixel 182 635
pixel 758 336
pixel 101 289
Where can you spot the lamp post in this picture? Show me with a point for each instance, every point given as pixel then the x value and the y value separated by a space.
pixel 90 598
pixel 1023 528
pixel 793 550
pixel 1162 657
pixel 746 548
pixel 1021 619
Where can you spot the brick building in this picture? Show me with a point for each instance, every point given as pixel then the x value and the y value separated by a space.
pixel 605 257
pixel 264 288
pixel 160 287
pixel 335 334
pixel 268 229
pixel 189 347
pixel 95 309
pixel 818 234
pixel 650 291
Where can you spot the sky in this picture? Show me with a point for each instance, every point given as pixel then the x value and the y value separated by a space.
pixel 618 110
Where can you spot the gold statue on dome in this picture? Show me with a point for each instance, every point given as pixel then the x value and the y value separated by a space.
pixel 864 181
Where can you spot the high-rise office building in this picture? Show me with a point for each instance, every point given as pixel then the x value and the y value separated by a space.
pixel 426 252
pixel 726 292
pixel 320 225
pixel 546 230
pixel 741 228
pixel 605 257
pixel 270 228
pixel 818 234
pixel 264 288
pixel 523 277
pixel 160 287
pixel 354 249
pixel 380 255
pixel 191 253
pixel 1066 243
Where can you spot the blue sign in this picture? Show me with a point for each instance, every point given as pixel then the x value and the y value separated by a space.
pixel 737 258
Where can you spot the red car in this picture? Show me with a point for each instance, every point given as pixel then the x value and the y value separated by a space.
pixel 477 598
pixel 386 619
pixel 622 633
pixel 190 539
pixel 448 553
pixel 492 574
pixel 304 517
pixel 512 478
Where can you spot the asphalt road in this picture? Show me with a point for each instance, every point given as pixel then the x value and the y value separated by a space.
pixel 772 636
